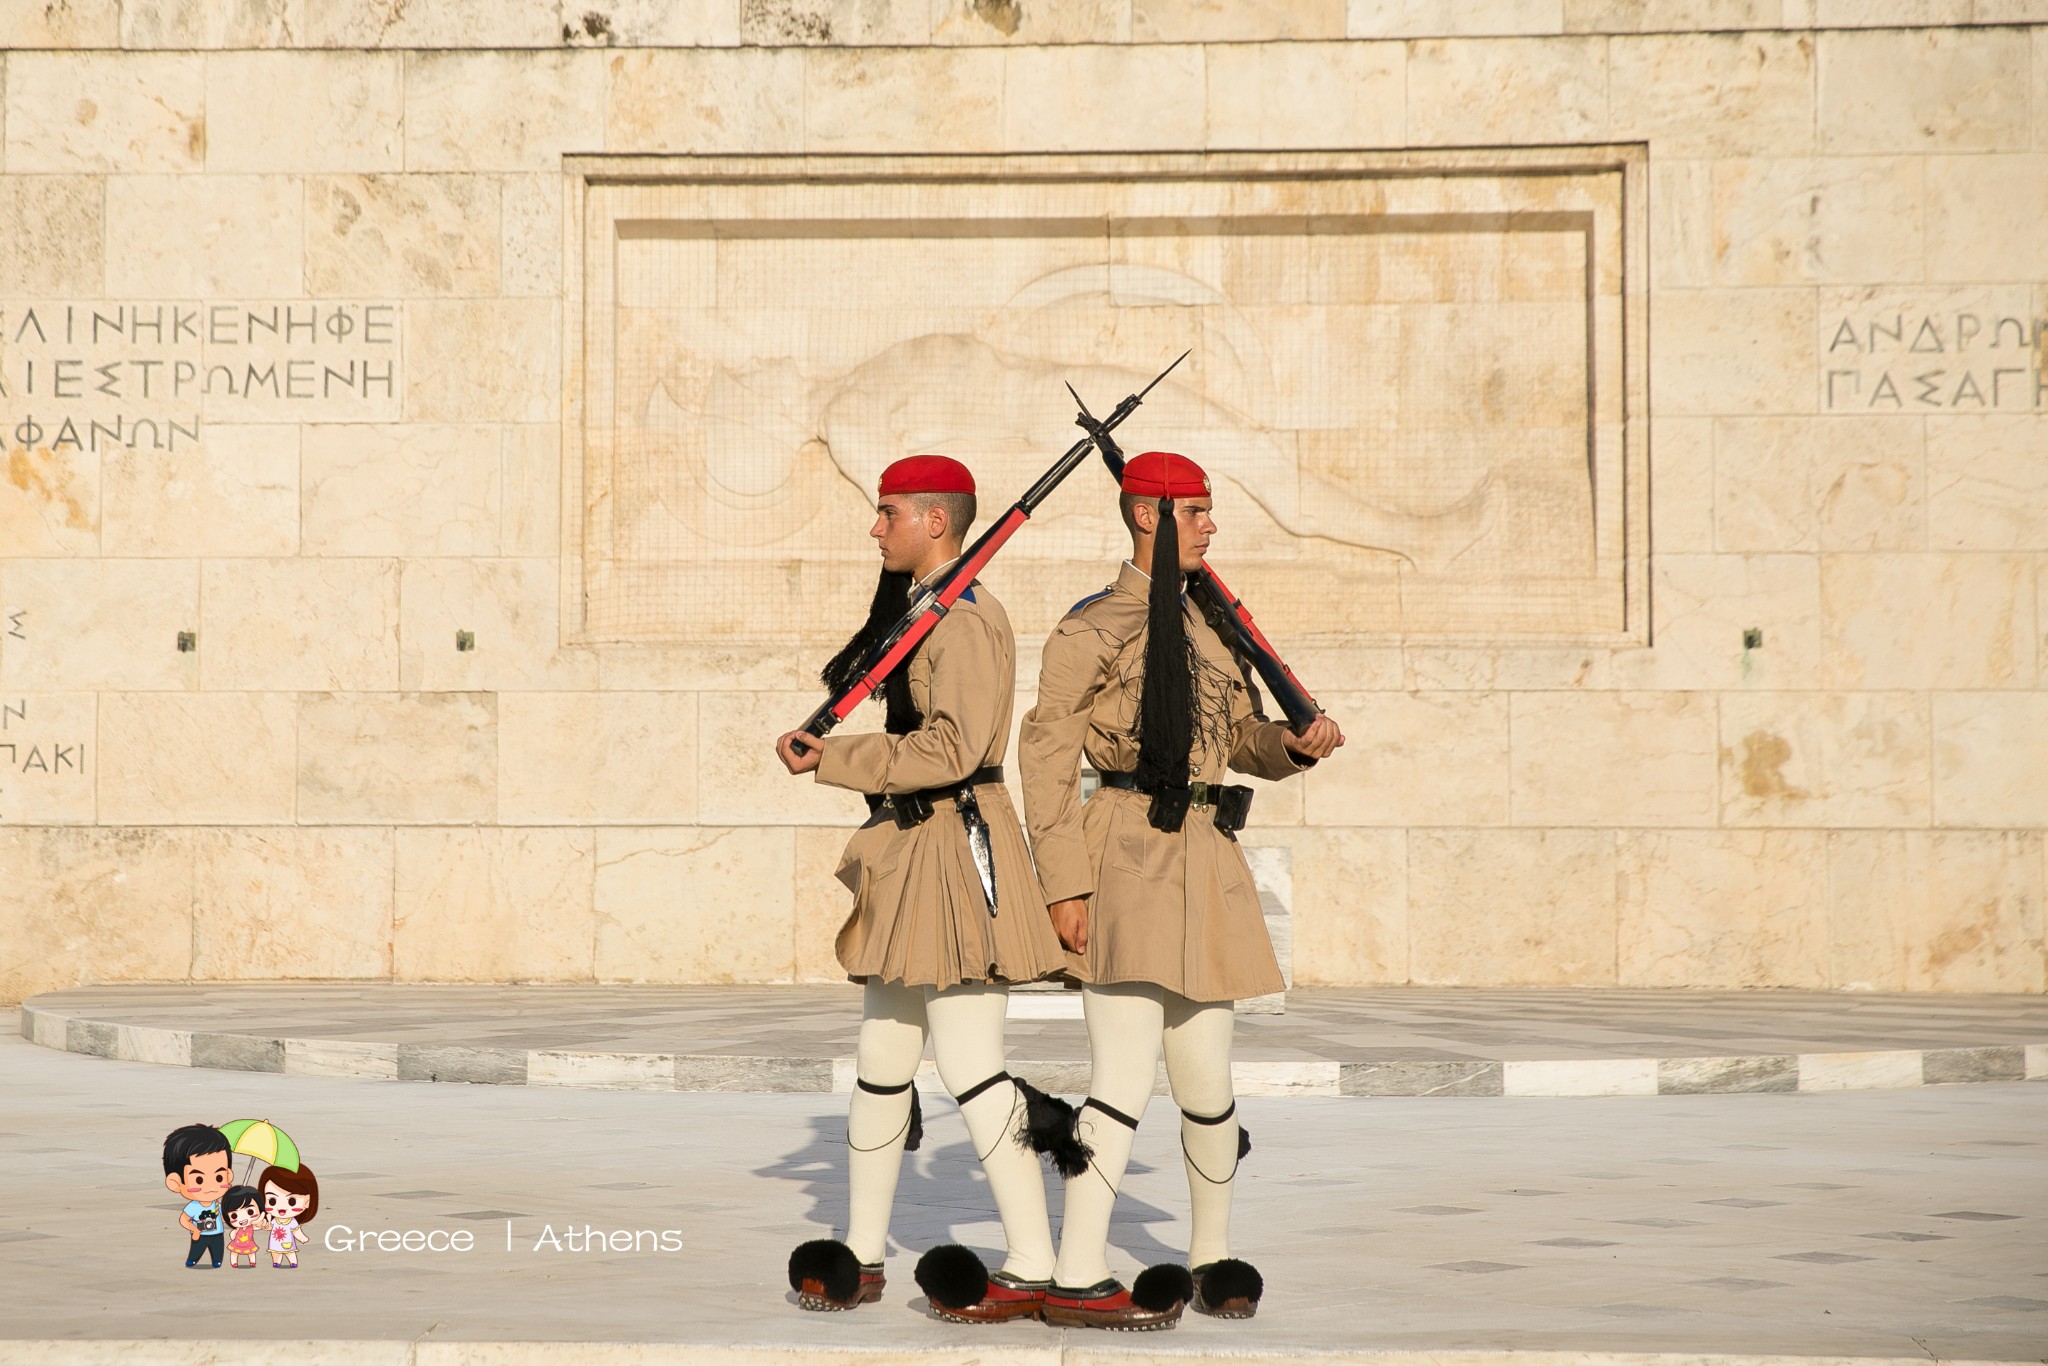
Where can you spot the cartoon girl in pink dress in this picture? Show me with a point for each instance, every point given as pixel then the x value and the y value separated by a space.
pixel 242 1208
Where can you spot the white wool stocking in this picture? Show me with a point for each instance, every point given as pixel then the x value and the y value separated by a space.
pixel 966 1026
pixel 1125 1021
pixel 1198 1071
pixel 967 1044
pixel 891 1042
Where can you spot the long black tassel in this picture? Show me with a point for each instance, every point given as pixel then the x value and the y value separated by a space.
pixel 1166 708
pixel 843 670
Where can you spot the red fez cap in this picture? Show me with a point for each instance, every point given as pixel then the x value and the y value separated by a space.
pixel 926 474
pixel 1162 474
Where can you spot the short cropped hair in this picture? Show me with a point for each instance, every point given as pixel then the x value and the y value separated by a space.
pixel 960 509
pixel 1126 504
pixel 194 1140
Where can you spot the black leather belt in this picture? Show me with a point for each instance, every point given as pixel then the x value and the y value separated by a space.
pixel 915 808
pixel 1170 804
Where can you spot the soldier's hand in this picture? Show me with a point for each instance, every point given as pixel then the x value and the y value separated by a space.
pixel 814 751
pixel 1319 741
pixel 1070 923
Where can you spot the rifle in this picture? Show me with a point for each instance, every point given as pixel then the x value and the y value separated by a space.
pixel 926 609
pixel 1225 611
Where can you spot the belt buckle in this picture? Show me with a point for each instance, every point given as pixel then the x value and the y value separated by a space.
pixel 1198 796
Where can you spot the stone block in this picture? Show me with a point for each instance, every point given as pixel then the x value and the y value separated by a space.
pixel 1683 252
pixel 698 668
pixel 502 111
pixel 181 758
pixel 1961 1066
pixel 1819 483
pixel 403 235
pixel 530 239
pixel 236 493
pixel 97 623
pixel 1927 621
pixel 1669 16
pixel 1620 758
pixel 398 24
pixel 271 904
pixel 1720 1076
pixel 1923 90
pixel 341 1058
pixel 695 905
pixel 482 360
pixel 1419 1079
pixel 822 903
pixel 398 758
pixel 1987 483
pixel 977 22
pixel 94 905
pixel 457 1063
pixel 1733 351
pixel 1490 91
pixel 903 100
pixel 1874 1071
pixel 49 499
pixel 512 612
pixel 1103 99
pixel 1983 218
pixel 530 513
pixel 1919 910
pixel 1723 908
pixel 1454 18
pixel 1511 907
pixel 666 100
pixel 416 489
pixel 785 1076
pixel 201 25
pixel 1414 758
pixel 1349 910
pixel 1703 604
pixel 1821 220
pixel 237 1052
pixel 52 237
pixel 1242 21
pixel 659 23
pixel 49 758
pixel 598 758
pixel 1825 759
pixel 744 783
pixel 474 905
pixel 1888 13
pixel 306 111
pixel 1714 94
pixel 841 23
pixel 1581 1077
pixel 1990 750
pixel 80 24
pixel 1304 94
pixel 147 1043
pixel 126 112
pixel 1682 485
pixel 602 1071
pixel 299 625
pixel 211 236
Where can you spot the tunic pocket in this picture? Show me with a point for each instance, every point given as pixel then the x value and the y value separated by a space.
pixel 1128 836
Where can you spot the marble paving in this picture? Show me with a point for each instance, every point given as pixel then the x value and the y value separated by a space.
pixel 1899 1224
pixel 1359 1043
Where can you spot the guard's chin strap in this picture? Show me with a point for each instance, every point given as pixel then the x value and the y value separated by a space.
pixel 912 1132
pixel 1244 1144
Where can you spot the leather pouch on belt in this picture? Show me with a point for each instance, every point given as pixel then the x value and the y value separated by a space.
pixel 1233 808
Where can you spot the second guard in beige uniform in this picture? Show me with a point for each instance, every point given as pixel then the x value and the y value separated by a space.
pixel 1147 884
pixel 946 913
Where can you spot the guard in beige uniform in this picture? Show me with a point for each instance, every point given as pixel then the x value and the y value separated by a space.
pixel 1147 884
pixel 946 911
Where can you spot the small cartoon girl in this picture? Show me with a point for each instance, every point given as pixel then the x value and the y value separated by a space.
pixel 290 1199
pixel 242 1208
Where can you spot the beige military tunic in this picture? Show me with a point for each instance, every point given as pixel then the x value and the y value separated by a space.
pixel 919 915
pixel 1176 909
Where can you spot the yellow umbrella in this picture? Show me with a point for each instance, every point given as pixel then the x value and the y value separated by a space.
pixel 262 1140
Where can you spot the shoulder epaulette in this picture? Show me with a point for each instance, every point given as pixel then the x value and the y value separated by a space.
pixel 1092 597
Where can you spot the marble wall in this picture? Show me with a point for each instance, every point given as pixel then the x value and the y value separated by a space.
pixel 296 679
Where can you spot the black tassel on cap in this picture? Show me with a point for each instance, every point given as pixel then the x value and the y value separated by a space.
pixel 1166 707
pixel 843 670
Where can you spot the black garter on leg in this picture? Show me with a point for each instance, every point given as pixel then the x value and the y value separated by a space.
pixel 913 1124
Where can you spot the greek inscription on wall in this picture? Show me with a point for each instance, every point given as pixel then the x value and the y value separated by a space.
pixel 44 759
pixel 101 376
pixel 1981 352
